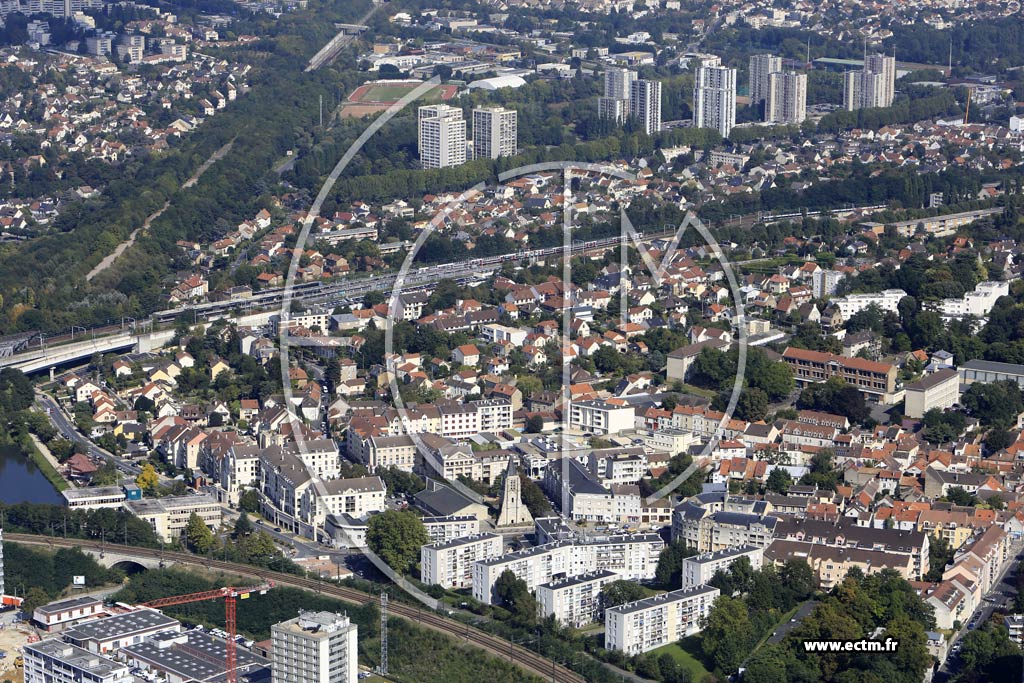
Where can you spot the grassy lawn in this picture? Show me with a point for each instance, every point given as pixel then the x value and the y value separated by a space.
pixel 684 658
pixel 692 389
pixel 393 93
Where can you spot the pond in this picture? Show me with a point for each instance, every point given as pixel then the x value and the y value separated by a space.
pixel 22 482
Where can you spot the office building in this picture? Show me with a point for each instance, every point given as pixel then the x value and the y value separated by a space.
pixel 873 86
pixel 787 98
pixel 698 570
pixel 190 657
pixel 57 615
pixel 940 389
pixel 761 67
pixel 645 104
pixel 714 99
pixel 876 379
pixel 121 630
pixel 95 497
pixel 442 136
pixel 450 563
pixel 575 601
pixel 495 132
pixel 169 516
pixel 54 661
pixel 991 371
pixel 315 647
pixel 641 626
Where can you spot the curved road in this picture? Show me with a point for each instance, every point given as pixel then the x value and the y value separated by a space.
pixel 530 661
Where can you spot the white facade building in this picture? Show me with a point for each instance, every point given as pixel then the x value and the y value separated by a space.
pixel 633 557
pixel 602 417
pixel 450 563
pixel 644 625
pixel 714 99
pixel 54 661
pixel 645 104
pixel 575 601
pixel 761 67
pixel 787 98
pixel 315 647
pixel 495 132
pixel 442 136
pixel 699 569
pixel 825 282
pixel 888 300
pixel 978 303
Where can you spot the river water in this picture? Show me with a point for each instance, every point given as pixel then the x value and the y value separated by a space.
pixel 22 482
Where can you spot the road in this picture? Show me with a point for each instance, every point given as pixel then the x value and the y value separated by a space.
pixel 1001 597
pixel 64 424
pixel 803 612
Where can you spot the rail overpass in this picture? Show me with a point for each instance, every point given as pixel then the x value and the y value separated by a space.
pixel 50 357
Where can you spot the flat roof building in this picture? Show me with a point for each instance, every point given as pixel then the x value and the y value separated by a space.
pixel 644 625
pixel 698 570
pixel 575 601
pixel 190 656
pixel 450 563
pixel 120 630
pixel 57 615
pixel 940 389
pixel 315 647
pixel 54 661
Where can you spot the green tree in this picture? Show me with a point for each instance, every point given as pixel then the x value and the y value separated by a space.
pixel 243 526
pixel 620 592
pixel 534 424
pixel 728 635
pixel 249 501
pixel 779 481
pixel 397 536
pixel 35 597
pixel 670 564
pixel 198 535
pixel 514 594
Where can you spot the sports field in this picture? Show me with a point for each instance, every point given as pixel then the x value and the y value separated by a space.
pixel 371 98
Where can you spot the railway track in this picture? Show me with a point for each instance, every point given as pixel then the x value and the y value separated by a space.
pixel 525 659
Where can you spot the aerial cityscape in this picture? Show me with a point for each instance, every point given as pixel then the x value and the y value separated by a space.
pixel 588 341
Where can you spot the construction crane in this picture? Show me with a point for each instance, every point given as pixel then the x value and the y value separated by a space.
pixel 230 595
pixel 967 110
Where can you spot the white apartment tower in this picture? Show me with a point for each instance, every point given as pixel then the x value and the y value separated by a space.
pixel 618 83
pixel 645 104
pixel 618 89
pixel 761 67
pixel 495 132
pixel 315 647
pixel 714 99
pixel 442 136
pixel 787 97
pixel 873 86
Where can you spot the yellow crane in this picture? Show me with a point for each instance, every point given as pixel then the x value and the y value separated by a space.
pixel 967 111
